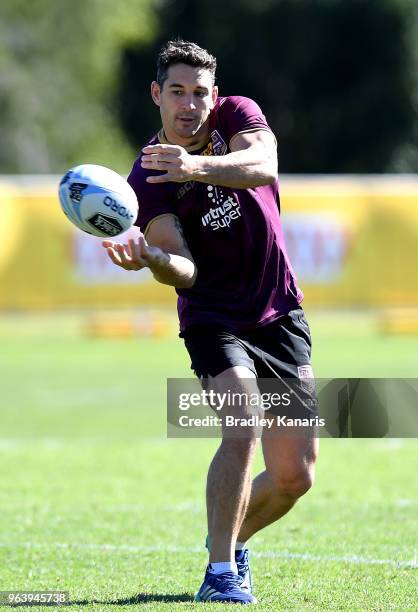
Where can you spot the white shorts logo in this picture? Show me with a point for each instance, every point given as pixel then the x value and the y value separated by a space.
pixel 306 378
pixel 305 371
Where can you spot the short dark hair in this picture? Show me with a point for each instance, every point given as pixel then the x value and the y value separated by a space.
pixel 183 52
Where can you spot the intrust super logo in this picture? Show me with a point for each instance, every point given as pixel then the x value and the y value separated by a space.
pixel 223 213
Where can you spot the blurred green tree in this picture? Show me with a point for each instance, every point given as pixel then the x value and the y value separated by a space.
pixel 337 79
pixel 59 63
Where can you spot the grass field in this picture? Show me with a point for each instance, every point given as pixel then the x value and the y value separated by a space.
pixel 96 501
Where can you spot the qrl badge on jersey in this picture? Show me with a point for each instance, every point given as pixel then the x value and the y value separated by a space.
pixel 219 146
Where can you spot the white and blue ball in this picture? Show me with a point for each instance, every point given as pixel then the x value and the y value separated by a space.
pixel 98 200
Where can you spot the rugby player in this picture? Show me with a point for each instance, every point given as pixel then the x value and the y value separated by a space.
pixel 209 213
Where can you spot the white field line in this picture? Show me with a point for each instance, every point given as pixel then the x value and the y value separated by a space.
pixel 186 506
pixel 76 441
pixel 16 443
pixel 402 503
pixel 353 559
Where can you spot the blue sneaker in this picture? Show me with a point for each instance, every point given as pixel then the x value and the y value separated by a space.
pixel 224 588
pixel 244 570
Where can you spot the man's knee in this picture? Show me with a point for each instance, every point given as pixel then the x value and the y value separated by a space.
pixel 296 483
pixel 291 468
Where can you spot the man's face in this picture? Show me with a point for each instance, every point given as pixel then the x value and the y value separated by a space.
pixel 185 101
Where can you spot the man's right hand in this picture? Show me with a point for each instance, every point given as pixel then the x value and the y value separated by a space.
pixel 169 258
pixel 135 255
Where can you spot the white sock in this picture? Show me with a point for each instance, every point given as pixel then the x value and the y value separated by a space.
pixel 222 567
pixel 240 545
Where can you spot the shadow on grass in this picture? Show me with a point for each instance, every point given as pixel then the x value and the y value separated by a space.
pixel 136 599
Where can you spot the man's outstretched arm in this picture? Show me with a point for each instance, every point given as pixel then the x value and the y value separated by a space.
pixel 251 163
pixel 164 252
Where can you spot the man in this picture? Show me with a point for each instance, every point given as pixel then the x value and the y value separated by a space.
pixel 209 212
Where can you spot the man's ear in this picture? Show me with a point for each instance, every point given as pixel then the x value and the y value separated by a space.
pixel 155 92
pixel 214 94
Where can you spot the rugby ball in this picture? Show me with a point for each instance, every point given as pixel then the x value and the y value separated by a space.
pixel 98 200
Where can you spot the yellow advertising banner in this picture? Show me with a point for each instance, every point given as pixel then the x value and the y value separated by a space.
pixel 353 242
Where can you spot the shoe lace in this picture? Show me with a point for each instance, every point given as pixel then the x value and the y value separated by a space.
pixel 244 565
pixel 231 581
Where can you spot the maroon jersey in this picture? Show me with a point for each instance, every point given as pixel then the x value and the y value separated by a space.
pixel 244 276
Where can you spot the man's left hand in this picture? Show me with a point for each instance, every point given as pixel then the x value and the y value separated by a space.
pixel 178 165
